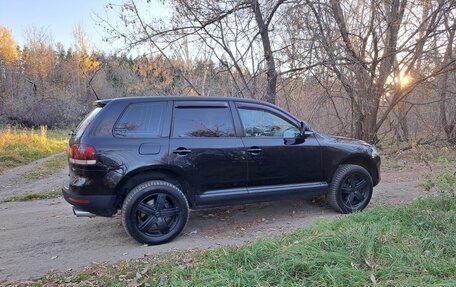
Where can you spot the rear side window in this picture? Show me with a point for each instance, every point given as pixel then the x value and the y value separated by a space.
pixel 86 121
pixel 203 122
pixel 142 120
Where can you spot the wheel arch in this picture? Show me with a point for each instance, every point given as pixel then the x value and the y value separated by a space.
pixel 363 161
pixel 166 173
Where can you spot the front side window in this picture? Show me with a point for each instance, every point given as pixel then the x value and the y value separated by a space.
pixel 141 120
pixel 203 122
pixel 261 123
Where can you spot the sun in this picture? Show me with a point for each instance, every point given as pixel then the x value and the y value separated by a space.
pixel 404 80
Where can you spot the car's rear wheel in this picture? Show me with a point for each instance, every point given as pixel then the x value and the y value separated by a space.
pixel 351 188
pixel 155 212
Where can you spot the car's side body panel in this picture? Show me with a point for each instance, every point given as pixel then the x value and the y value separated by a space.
pixel 212 164
pixel 339 150
pixel 260 194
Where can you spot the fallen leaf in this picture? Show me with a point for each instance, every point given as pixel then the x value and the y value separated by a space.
pixel 373 279
pixel 133 283
pixel 144 271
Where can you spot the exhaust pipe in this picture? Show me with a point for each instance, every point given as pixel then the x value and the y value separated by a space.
pixel 82 213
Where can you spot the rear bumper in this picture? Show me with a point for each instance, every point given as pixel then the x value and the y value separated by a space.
pixel 102 205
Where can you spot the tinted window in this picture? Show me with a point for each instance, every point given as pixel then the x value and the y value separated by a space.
pixel 261 123
pixel 141 120
pixel 203 122
pixel 86 121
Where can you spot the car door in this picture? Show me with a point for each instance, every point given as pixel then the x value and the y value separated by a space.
pixel 270 160
pixel 205 147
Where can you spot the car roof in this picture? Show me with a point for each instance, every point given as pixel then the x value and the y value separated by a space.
pixel 136 99
pixel 176 98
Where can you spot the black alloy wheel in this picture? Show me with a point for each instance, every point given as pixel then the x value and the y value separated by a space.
pixel 155 212
pixel 355 190
pixel 350 189
pixel 157 215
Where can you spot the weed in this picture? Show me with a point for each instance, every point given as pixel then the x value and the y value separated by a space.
pixel 47 168
pixel 33 196
pixel 22 146
pixel 441 182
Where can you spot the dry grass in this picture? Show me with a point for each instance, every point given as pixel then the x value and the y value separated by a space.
pixel 33 196
pixel 20 146
pixel 47 168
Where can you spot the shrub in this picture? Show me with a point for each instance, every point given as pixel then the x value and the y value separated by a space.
pixel 442 182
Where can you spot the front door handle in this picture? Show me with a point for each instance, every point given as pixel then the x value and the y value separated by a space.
pixel 255 150
pixel 182 151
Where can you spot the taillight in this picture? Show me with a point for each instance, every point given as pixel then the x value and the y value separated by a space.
pixel 82 154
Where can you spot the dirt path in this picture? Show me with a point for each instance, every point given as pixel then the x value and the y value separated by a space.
pixel 12 182
pixel 41 236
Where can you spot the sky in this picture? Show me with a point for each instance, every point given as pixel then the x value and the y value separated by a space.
pixel 58 18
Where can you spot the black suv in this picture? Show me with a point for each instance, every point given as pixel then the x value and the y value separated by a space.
pixel 156 157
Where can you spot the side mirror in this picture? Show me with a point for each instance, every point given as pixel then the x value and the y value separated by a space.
pixel 307 133
pixel 305 130
pixel 303 127
pixel 304 133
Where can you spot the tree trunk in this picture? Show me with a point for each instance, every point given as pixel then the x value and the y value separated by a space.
pixel 271 68
pixel 448 126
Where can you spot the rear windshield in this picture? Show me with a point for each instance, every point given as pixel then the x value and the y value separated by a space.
pixel 86 121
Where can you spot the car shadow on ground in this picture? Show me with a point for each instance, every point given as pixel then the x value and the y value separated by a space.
pixel 249 220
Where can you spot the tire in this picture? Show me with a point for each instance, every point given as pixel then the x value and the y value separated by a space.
pixel 350 189
pixel 155 212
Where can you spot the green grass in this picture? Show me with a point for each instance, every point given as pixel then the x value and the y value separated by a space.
pixel 47 168
pixel 18 147
pixel 58 133
pixel 33 196
pixel 410 245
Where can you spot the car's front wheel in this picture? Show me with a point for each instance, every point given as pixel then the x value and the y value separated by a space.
pixel 351 188
pixel 155 212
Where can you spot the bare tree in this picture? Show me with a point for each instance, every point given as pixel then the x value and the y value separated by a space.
pixel 368 43
pixel 448 116
pixel 237 33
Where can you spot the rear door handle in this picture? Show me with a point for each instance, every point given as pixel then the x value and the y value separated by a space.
pixel 182 151
pixel 255 150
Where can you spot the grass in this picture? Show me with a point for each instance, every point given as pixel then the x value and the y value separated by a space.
pixel 409 245
pixel 47 168
pixel 426 155
pixel 18 147
pixel 57 133
pixel 33 196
